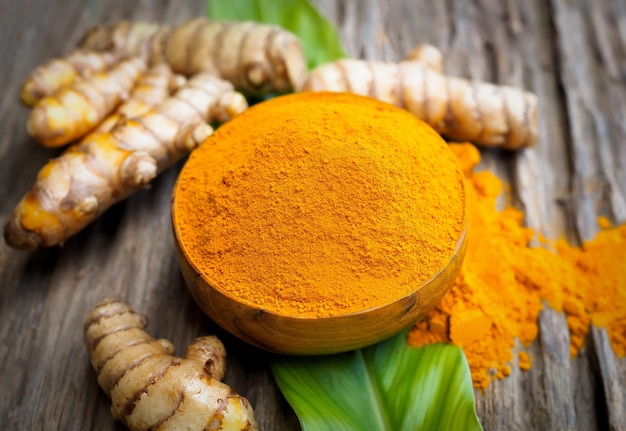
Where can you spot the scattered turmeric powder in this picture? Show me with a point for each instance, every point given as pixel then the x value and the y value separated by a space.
pixel 598 287
pixel 498 293
pixel 345 208
pixel 604 222
pixel 524 361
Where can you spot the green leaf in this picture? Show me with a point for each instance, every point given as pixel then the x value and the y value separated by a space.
pixel 388 386
pixel 319 38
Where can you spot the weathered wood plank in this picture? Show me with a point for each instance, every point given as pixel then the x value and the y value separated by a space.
pixel 570 52
pixel 594 92
pixel 556 371
pixel 613 380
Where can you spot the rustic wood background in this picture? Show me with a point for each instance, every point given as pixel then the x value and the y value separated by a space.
pixel 572 53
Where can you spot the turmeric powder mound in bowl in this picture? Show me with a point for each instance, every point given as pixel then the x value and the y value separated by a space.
pixel 320 222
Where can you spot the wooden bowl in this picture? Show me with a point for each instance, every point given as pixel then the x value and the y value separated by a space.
pixel 319 335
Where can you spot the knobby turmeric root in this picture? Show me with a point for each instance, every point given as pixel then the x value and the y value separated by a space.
pixel 255 57
pixel 74 189
pixel 128 39
pixel 45 80
pixel 427 54
pixel 79 107
pixel 152 88
pixel 459 109
pixel 150 389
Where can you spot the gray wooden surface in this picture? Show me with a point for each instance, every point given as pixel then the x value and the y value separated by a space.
pixel 571 53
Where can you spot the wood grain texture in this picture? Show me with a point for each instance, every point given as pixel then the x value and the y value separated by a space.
pixel 572 53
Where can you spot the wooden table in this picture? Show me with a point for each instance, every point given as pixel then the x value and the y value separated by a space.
pixel 571 53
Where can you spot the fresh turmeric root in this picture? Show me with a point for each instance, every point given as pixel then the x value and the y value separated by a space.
pixel 128 39
pixel 154 87
pixel 428 55
pixel 256 58
pixel 458 109
pixel 104 168
pixel 45 80
pixel 75 109
pixel 152 390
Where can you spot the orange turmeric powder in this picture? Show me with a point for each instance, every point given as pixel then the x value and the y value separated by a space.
pixel 320 204
pixel 502 284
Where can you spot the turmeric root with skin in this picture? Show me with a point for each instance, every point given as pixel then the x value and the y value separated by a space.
pixel 128 39
pixel 73 190
pixel 45 80
pixel 256 58
pixel 78 108
pixel 428 55
pixel 459 109
pixel 152 88
pixel 150 389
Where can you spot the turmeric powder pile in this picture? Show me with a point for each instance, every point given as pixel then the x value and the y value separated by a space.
pixel 320 204
pixel 499 291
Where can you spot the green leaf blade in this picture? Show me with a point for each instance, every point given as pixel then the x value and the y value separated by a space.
pixel 320 41
pixel 388 386
pixel 316 408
